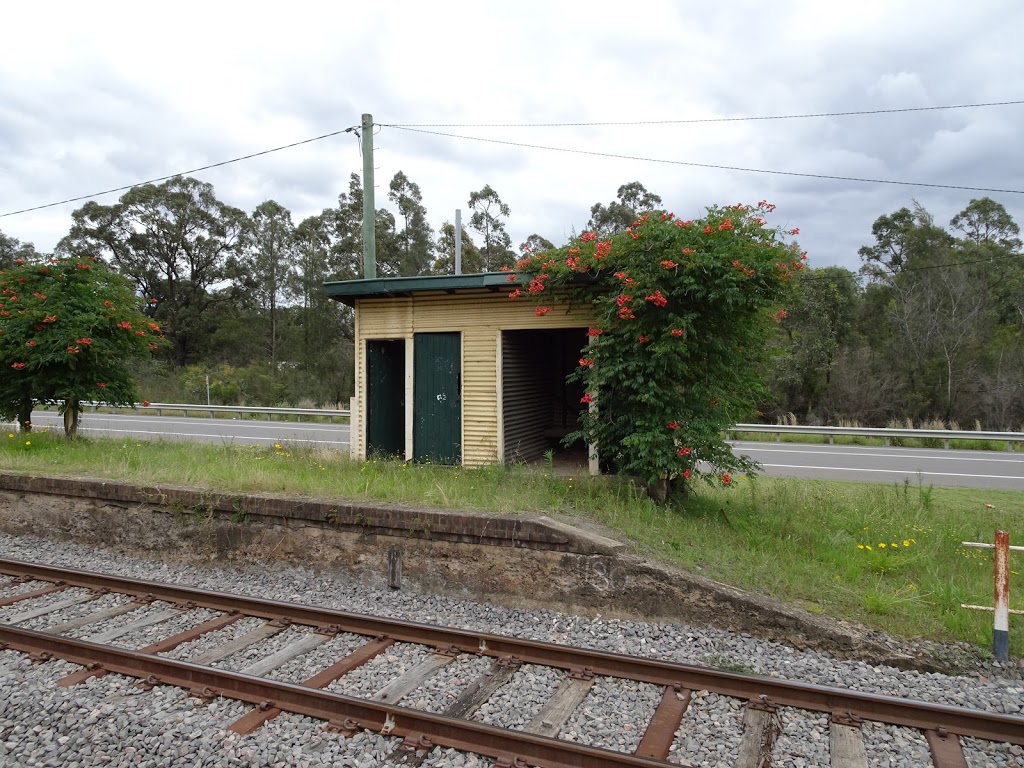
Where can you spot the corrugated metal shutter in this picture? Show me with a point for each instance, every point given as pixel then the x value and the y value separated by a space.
pixel 526 397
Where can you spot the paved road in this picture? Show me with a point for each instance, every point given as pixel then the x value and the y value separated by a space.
pixel 243 432
pixel 973 469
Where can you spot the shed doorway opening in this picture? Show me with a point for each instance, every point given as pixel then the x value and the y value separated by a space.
pixel 385 397
pixel 539 406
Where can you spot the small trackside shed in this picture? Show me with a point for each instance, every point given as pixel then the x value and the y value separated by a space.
pixel 449 369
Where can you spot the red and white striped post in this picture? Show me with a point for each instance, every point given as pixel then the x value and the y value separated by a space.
pixel 1002 610
pixel 1001 632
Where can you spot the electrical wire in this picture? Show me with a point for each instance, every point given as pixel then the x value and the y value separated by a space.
pixel 707 119
pixel 714 166
pixel 419 127
pixel 861 276
pixel 180 173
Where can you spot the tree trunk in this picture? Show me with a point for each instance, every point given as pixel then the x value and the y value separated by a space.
pixel 71 411
pixel 658 490
pixel 25 414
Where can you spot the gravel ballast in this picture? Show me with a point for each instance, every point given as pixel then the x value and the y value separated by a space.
pixel 111 722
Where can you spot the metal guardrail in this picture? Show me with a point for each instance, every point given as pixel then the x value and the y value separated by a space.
pixel 887 433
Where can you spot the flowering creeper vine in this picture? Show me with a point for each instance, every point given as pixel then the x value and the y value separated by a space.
pixel 683 313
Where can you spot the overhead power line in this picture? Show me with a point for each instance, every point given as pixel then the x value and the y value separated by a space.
pixel 862 276
pixel 181 173
pixel 419 128
pixel 712 165
pixel 708 119
pixel 952 264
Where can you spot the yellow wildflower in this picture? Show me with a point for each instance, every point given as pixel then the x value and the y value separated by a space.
pixel 881 545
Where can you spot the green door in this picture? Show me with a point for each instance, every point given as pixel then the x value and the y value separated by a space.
pixel 437 399
pixel 385 397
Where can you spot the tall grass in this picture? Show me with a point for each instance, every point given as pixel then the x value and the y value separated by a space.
pixel 888 556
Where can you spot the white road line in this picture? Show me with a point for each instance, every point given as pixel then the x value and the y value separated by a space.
pixel 893 471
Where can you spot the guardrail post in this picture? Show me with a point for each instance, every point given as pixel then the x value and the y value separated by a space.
pixel 1001 631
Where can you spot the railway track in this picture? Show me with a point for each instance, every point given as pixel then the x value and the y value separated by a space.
pixel 372 674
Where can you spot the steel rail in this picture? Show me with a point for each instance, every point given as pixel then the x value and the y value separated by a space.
pixel 766 691
pixel 426 730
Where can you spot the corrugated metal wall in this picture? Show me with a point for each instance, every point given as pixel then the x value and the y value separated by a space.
pixel 480 315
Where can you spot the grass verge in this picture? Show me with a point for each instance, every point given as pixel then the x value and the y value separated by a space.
pixel 888 556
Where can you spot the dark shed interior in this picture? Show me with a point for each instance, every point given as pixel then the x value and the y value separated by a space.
pixel 539 406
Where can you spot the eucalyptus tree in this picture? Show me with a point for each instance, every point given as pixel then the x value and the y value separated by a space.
pixel 11 248
pixel 815 329
pixel 535 244
pixel 416 238
pixel 488 219
pixel 267 258
pixel 472 259
pixel 176 242
pixel 632 199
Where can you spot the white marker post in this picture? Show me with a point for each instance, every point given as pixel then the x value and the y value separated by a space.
pixel 1001 633
pixel 1002 610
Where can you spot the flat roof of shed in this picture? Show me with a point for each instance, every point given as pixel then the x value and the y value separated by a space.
pixel 347 291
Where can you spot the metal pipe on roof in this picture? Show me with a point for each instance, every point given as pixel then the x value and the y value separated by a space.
pixel 458 241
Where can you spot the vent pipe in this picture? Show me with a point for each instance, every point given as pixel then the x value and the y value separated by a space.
pixel 458 241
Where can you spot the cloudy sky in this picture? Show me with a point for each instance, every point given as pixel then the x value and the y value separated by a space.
pixel 101 95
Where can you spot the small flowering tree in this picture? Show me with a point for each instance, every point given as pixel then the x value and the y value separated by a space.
pixel 684 311
pixel 70 331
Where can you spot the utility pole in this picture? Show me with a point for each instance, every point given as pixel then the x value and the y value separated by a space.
pixel 369 209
